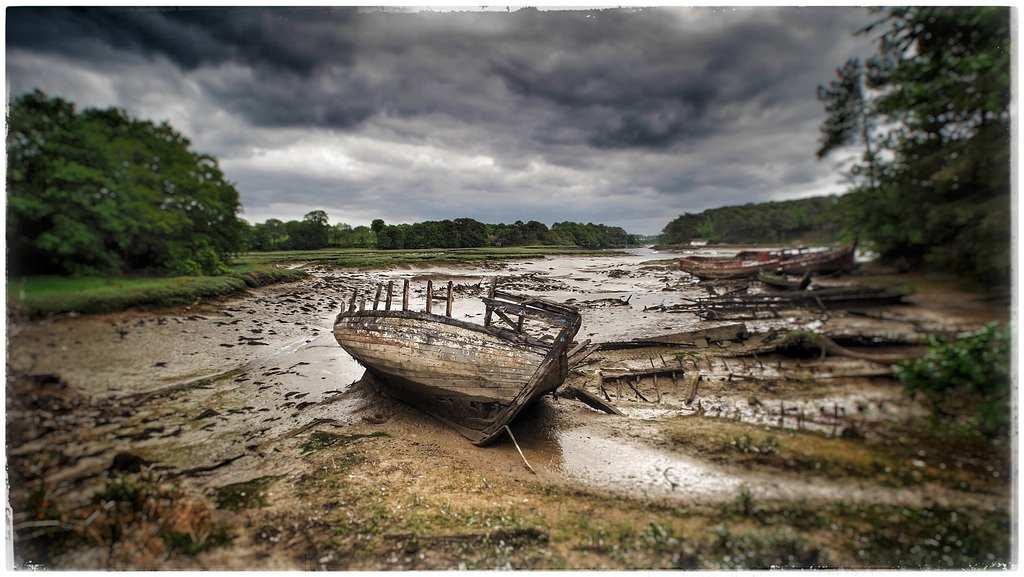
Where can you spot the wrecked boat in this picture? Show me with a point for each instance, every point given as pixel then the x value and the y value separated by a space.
pixel 781 282
pixel 746 263
pixel 794 261
pixel 801 261
pixel 474 377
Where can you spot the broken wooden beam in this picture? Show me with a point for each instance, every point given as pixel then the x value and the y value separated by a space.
pixel 591 400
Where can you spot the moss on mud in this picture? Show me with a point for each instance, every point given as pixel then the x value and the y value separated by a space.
pixel 250 494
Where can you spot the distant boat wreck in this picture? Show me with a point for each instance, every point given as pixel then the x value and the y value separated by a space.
pixel 789 261
pixel 474 377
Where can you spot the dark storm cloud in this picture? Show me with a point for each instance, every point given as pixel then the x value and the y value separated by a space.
pixel 573 114
pixel 290 39
pixel 612 78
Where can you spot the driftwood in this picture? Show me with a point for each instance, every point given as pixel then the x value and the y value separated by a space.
pixel 729 332
pixel 828 297
pixel 781 282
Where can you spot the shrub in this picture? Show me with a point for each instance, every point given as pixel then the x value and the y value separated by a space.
pixel 968 377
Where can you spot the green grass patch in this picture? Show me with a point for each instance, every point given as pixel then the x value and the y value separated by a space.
pixel 47 295
pixel 245 495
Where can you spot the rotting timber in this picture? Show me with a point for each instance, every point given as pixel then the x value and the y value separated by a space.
pixel 476 378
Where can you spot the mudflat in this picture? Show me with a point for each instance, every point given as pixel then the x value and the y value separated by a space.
pixel 239 435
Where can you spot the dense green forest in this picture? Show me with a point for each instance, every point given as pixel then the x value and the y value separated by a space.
pixel 314 232
pixel 807 220
pixel 469 233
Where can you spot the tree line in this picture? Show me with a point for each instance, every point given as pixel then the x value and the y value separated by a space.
pixel 468 233
pixel 808 220
pixel 314 232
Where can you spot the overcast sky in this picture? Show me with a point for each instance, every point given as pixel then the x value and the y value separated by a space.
pixel 626 117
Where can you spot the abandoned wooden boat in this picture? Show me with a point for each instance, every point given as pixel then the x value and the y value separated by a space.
pixel 474 377
pixel 751 306
pixel 746 263
pixel 785 283
pixel 793 261
pixel 801 261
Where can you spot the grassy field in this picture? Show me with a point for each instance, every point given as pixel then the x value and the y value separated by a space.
pixel 48 295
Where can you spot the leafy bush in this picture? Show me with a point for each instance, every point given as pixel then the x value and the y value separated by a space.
pixel 972 370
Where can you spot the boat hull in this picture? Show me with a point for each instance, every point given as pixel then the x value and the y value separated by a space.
pixel 716 268
pixel 474 378
pixel 752 263
pixel 839 259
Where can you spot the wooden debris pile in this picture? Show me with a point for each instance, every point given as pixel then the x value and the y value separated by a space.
pixel 740 304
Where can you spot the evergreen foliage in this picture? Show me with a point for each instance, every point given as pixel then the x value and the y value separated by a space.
pixel 939 110
pixel 98 192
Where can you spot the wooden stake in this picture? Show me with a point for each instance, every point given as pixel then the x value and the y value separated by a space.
pixel 430 295
pixel 448 309
pixel 511 436
pixel 405 296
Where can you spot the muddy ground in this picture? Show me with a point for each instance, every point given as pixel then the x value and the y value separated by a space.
pixel 239 435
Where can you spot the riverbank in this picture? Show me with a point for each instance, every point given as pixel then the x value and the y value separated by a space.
pixel 37 297
pixel 236 434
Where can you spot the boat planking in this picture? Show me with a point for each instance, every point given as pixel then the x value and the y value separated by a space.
pixel 474 377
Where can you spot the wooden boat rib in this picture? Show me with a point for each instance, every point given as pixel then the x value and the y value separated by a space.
pixel 476 378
